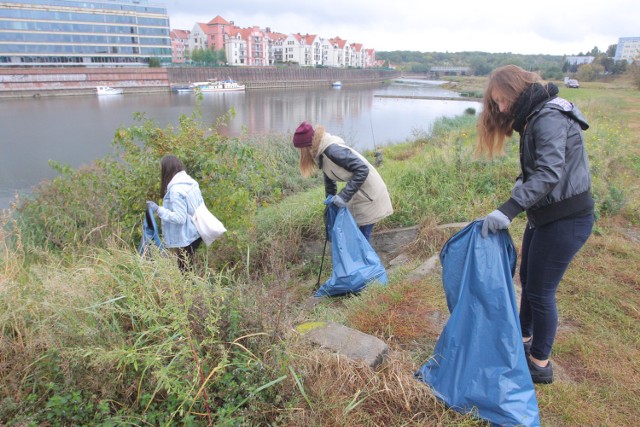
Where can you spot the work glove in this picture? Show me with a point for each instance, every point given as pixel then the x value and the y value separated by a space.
pixel 495 221
pixel 339 201
pixel 152 205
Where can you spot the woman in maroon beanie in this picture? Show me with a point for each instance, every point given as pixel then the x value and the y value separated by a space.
pixel 365 193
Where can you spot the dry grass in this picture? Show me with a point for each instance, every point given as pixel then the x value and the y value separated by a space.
pixel 346 393
pixel 596 351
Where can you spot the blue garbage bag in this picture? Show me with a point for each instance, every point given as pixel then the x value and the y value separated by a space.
pixel 355 262
pixel 150 234
pixel 479 365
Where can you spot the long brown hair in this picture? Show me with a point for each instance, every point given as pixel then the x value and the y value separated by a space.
pixel 493 126
pixel 170 165
pixel 308 154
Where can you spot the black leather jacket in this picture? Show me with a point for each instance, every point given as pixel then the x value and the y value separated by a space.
pixel 555 180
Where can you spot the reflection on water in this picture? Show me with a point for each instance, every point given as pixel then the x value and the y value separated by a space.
pixel 77 130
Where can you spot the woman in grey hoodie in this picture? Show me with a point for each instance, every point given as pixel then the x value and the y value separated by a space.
pixel 181 196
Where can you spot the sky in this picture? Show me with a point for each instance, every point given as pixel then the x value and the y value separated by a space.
pixel 554 27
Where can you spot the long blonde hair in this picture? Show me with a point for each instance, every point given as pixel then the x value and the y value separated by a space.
pixel 493 126
pixel 308 164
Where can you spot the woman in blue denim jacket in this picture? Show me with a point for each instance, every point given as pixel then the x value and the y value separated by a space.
pixel 181 196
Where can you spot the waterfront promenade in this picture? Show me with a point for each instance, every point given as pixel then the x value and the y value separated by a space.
pixel 50 81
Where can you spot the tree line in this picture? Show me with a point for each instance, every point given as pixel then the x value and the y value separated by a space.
pixel 551 67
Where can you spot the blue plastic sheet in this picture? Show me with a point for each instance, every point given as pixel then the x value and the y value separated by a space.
pixel 150 234
pixel 355 262
pixel 479 365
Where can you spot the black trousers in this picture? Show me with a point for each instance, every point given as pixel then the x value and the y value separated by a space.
pixel 546 254
pixel 186 255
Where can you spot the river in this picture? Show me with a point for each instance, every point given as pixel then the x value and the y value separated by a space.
pixel 77 130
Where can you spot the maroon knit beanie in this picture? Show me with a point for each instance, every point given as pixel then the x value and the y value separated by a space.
pixel 303 135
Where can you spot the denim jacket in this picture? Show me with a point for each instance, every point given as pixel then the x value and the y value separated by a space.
pixel 182 198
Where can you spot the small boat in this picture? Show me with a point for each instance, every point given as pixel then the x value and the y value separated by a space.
pixel 337 83
pixel 182 89
pixel 228 85
pixel 106 90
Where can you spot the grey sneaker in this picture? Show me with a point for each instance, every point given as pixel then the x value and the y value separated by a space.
pixel 540 375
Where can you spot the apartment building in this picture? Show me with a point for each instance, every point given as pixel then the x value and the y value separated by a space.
pixel 254 46
pixel 87 33
pixel 179 46
pixel 628 49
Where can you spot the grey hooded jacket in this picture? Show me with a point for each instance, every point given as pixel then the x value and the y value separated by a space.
pixel 555 180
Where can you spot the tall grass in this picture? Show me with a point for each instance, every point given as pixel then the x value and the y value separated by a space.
pixel 93 334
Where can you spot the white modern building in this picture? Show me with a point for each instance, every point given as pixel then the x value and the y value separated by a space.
pixel 580 60
pixel 87 33
pixel 628 49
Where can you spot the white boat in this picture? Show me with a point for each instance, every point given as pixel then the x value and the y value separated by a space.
pixel 182 89
pixel 337 83
pixel 228 85
pixel 106 90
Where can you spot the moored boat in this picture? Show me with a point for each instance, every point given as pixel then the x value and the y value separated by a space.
pixel 106 90
pixel 227 85
pixel 182 89
pixel 337 83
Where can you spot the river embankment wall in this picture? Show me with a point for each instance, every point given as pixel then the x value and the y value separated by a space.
pixel 36 82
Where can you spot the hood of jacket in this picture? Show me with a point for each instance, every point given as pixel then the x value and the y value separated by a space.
pixel 568 109
pixel 181 179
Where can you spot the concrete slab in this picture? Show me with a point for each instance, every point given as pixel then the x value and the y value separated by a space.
pixel 349 342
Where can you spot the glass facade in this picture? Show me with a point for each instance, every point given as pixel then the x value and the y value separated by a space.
pixel 68 32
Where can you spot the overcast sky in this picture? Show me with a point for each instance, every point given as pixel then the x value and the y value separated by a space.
pixel 555 27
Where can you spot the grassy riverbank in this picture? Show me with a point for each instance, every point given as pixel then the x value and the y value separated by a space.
pixel 93 334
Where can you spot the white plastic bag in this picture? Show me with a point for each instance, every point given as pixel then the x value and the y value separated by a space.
pixel 209 227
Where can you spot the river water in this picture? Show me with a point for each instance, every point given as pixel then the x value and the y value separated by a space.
pixel 77 130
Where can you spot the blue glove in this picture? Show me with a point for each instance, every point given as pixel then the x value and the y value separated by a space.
pixel 338 201
pixel 152 205
pixel 495 221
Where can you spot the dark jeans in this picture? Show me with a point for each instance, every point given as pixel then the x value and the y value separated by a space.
pixel 366 231
pixel 187 254
pixel 546 254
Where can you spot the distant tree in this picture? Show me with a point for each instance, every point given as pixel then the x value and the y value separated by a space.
pixel 552 73
pixel 222 57
pixel 198 56
pixel 480 66
pixel 419 68
pixel 606 62
pixel 594 52
pixel 634 70
pixel 611 50
pixel 620 67
pixel 589 72
pixel 154 62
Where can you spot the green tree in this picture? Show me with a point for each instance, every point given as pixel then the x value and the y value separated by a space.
pixel 589 72
pixel 198 56
pixel 611 50
pixel 222 57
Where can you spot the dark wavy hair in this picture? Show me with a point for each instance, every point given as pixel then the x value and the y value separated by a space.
pixel 169 166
